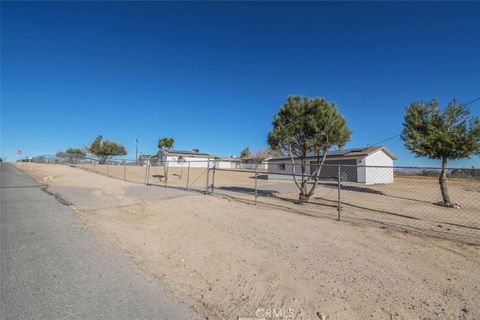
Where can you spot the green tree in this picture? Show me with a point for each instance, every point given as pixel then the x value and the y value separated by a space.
pixel 75 154
pixel 245 153
pixel 444 135
pixel 305 127
pixel 165 145
pixel 262 154
pixel 1 159
pixel 106 149
pixel 62 155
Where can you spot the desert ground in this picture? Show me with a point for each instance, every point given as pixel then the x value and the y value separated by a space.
pixel 229 258
pixel 407 204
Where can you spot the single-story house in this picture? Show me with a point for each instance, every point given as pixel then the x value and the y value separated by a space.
pixel 197 159
pixel 369 165
pixel 148 159
pixel 253 163
pixel 228 163
pixel 180 158
pixel 194 158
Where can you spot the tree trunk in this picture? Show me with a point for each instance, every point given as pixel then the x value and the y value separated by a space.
pixel 302 196
pixel 292 161
pixel 316 174
pixel 443 183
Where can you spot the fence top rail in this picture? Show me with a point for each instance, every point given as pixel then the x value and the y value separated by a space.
pixel 213 160
pixel 240 170
pixel 376 166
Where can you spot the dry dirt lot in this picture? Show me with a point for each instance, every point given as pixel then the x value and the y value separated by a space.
pixel 230 258
pixel 407 204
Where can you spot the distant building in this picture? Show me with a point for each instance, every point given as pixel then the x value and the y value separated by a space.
pixel 363 165
pixel 228 163
pixel 148 159
pixel 253 163
pixel 179 158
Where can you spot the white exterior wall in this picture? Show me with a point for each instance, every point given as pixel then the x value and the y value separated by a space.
pixel 364 174
pixel 225 164
pixel 198 162
pixel 361 171
pixel 253 166
pixel 274 171
pixel 195 162
pixel 378 175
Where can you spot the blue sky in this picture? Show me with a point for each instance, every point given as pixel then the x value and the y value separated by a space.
pixel 212 75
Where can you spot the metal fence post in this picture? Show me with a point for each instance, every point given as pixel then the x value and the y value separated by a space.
pixel 107 169
pixel 124 171
pixel 93 165
pixel 339 203
pixel 208 176
pixel 256 177
pixel 213 177
pixel 149 166
pixel 146 174
pixel 166 173
pixel 188 173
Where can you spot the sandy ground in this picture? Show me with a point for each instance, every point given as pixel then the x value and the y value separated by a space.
pixel 230 258
pixel 408 203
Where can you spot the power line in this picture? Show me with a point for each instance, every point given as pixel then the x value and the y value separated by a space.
pixel 385 140
pixel 472 101
pixel 397 135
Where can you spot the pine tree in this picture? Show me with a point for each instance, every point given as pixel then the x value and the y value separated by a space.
pixel 306 126
pixel 444 135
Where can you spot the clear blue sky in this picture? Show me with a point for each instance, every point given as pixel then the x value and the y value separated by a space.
pixel 212 75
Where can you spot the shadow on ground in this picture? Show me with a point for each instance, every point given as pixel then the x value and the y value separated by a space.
pixel 263 193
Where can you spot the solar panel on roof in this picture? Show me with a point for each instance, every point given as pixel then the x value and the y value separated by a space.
pixel 339 152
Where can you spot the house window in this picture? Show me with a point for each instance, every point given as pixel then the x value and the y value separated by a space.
pixel 281 166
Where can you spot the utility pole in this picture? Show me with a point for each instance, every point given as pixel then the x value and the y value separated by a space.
pixel 136 151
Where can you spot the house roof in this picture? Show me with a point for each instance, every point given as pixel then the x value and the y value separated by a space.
pixel 256 159
pixel 188 153
pixel 231 159
pixel 147 156
pixel 348 153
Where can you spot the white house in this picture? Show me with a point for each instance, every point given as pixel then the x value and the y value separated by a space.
pixel 195 159
pixel 369 165
pixel 228 163
pixel 255 163
pixel 179 158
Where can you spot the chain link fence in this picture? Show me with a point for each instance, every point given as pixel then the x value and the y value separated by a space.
pixel 403 198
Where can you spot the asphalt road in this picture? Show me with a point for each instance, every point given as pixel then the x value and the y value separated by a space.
pixel 53 267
